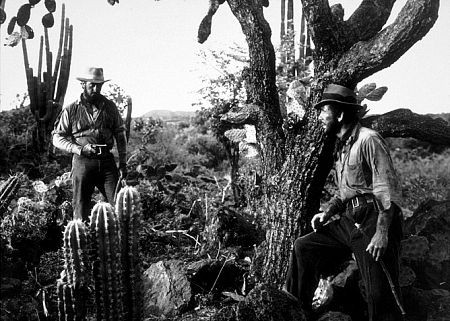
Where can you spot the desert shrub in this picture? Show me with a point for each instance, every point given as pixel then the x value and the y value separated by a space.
pixel 162 143
pixel 16 128
pixel 424 175
pixel 34 221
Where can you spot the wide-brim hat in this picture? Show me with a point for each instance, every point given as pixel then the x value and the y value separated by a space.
pixel 93 74
pixel 339 95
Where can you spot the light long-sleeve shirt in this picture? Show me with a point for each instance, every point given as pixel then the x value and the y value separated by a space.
pixel 81 123
pixel 364 166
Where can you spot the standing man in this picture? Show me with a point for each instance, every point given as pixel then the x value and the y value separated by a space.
pixel 370 221
pixel 87 129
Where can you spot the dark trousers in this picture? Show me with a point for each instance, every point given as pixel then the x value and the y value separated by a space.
pixel 88 173
pixel 317 251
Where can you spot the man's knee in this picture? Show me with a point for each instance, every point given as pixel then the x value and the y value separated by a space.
pixel 301 244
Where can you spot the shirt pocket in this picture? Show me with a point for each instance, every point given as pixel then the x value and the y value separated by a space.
pixel 355 177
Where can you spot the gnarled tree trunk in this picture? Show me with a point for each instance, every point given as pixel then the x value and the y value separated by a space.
pixel 296 162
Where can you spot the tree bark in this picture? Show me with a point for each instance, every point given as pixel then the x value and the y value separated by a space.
pixel 405 123
pixel 296 162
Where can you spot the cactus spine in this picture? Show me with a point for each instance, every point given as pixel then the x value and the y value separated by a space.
pixel 66 309
pixel 128 210
pixel 7 192
pixel 105 236
pixel 72 287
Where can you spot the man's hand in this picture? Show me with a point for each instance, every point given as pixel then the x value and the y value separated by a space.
pixel 123 170
pixel 88 150
pixel 378 244
pixel 318 221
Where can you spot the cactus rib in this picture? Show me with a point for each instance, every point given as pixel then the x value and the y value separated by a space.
pixel 7 192
pixel 72 287
pixel 128 209
pixel 107 266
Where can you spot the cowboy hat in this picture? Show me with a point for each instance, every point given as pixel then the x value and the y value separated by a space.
pixel 93 74
pixel 338 95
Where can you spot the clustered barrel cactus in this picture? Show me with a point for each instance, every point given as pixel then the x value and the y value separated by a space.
pixel 114 254
pixel 72 286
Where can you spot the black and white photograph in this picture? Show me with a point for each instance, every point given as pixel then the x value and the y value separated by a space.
pixel 224 160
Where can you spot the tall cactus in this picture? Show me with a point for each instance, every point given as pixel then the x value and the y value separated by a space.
pixel 128 210
pixel 7 192
pixel 48 88
pixel 72 287
pixel 105 236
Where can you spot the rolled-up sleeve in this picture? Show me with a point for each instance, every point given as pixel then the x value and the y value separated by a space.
pixel 62 134
pixel 385 181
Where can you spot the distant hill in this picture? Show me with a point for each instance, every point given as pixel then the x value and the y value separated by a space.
pixel 444 116
pixel 169 116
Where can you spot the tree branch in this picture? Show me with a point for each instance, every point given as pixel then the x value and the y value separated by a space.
pixel 367 57
pixel 405 123
pixel 261 81
pixel 204 30
pixel 331 34
pixel 368 19
pixel 325 28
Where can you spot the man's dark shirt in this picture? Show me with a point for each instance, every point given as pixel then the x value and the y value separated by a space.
pixel 82 123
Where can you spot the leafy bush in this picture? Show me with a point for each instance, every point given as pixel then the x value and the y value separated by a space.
pixel 424 175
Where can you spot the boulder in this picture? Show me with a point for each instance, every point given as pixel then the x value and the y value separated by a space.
pixel 167 291
pixel 341 292
pixel 429 217
pixel 426 250
pixel 266 303
pixel 215 276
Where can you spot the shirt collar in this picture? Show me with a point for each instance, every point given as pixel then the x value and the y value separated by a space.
pixel 347 139
pixel 353 134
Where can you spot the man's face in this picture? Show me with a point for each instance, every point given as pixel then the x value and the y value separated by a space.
pixel 91 90
pixel 329 119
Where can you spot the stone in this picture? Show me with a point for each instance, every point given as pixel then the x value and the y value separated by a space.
pixel 429 226
pixel 341 292
pixel 215 276
pixel 266 303
pixel 167 291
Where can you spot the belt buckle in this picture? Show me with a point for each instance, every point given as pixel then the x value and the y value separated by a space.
pixel 355 202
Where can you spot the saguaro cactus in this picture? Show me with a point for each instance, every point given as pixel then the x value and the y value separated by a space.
pixel 72 286
pixel 105 236
pixel 128 210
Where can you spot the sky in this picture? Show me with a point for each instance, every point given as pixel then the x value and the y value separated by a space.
pixel 150 49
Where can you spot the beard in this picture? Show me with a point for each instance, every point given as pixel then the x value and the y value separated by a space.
pixel 92 98
pixel 332 127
